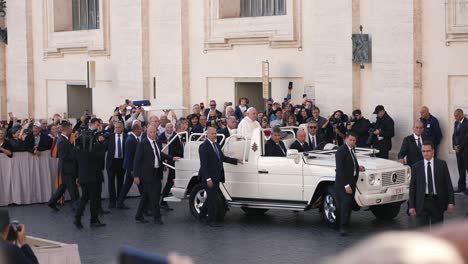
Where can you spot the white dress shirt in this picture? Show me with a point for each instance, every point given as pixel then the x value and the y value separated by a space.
pixel 156 161
pixel 247 126
pixel 425 174
pixel 65 136
pixel 116 154
pixel 416 139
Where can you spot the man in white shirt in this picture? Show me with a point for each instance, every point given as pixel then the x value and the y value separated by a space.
pixel 247 125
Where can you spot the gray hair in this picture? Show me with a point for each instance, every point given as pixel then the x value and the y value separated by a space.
pixel 179 124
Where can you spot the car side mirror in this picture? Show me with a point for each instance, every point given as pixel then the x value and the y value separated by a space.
pixel 293 154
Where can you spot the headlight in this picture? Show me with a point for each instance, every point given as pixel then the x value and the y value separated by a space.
pixel 371 179
pixel 408 175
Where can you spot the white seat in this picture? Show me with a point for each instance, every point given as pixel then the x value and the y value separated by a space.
pixel 235 149
pixel 288 142
pixel 193 148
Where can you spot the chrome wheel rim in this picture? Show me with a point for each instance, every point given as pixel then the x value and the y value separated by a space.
pixel 329 208
pixel 199 200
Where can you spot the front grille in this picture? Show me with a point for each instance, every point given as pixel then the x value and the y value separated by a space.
pixel 388 177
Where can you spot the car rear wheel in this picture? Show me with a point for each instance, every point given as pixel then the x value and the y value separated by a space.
pixel 197 199
pixel 330 209
pixel 386 211
pixel 254 211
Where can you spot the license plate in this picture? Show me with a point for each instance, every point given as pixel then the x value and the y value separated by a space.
pixel 395 190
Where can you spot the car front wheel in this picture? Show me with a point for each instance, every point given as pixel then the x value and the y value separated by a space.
pixel 330 209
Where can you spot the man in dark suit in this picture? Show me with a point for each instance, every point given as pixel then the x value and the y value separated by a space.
pixel 385 131
pixel 460 145
pixel 130 148
pixel 316 140
pixel 360 126
pixel 211 173
pixel 9 252
pixel 412 145
pixel 274 147
pixel 67 168
pixel 90 150
pixel 176 149
pixel 431 190
pixel 212 108
pixel 148 168
pixel 347 173
pixel 114 162
pixel 230 129
pixel 300 144
pixel 37 141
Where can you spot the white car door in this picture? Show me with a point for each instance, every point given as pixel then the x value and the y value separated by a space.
pixel 280 178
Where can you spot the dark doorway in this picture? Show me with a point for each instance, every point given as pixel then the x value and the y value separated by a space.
pixel 253 91
pixel 80 100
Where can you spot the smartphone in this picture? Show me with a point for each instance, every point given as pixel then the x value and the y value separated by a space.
pixel 290 86
pixel 229 104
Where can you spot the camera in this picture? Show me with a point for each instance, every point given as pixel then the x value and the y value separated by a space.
pixel 15 227
pixel 87 139
pixel 290 86
pixel 370 139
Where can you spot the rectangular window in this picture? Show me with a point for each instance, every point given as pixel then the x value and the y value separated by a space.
pixel 253 8
pixel 85 14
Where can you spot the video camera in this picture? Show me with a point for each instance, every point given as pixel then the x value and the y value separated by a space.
pixel 87 139
pixel 371 138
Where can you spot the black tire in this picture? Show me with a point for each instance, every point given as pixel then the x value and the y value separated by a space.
pixel 198 197
pixel 330 209
pixel 386 211
pixel 254 211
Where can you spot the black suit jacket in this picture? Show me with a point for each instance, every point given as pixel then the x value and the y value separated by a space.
pixel 66 156
pixel 45 142
pixel 164 140
pixel 207 111
pixel 345 169
pixel 410 150
pixel 176 148
pixel 111 148
pixel 225 132
pixel 303 148
pixel 274 150
pixel 320 141
pixel 91 163
pixel 16 255
pixel 6 145
pixel 461 137
pixel 442 182
pixel 211 166
pixel 143 165
pixel 130 148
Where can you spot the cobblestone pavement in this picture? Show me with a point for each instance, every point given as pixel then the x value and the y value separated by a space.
pixel 276 237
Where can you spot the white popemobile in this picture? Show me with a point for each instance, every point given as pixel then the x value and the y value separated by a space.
pixel 298 182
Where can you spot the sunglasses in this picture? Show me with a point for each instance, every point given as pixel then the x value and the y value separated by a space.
pixel 213 105
pixel 313 127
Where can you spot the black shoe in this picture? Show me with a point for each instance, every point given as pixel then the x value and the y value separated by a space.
pixel 78 224
pixel 111 205
pixel 123 207
pixel 53 206
pixel 344 232
pixel 141 220
pixel 97 224
pixel 166 207
pixel 215 224
pixel 148 213
pixel 158 221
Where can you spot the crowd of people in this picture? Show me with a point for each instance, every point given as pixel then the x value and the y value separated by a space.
pixel 131 139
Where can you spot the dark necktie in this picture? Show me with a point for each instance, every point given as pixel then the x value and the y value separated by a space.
pixel 313 142
pixel 354 160
pixel 217 151
pixel 430 181
pixel 419 143
pixel 156 150
pixel 119 147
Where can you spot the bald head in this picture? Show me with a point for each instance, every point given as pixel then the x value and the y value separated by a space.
pixel 211 134
pixel 424 111
pixel 301 135
pixel 418 128
pixel 151 132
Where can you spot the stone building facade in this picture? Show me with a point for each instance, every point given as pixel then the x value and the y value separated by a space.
pixel 183 52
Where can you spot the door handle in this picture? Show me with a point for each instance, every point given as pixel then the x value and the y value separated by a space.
pixel 263 171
